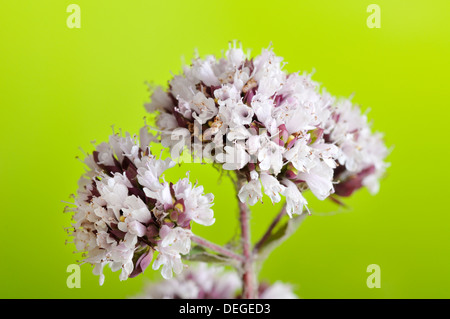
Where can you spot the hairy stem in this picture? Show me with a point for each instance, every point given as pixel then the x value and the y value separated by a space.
pixel 219 249
pixel 249 276
pixel 249 280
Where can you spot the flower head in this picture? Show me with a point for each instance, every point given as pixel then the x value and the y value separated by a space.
pixel 363 153
pixel 210 282
pixel 250 115
pixel 125 212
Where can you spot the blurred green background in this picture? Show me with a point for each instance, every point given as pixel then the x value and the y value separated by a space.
pixel 61 88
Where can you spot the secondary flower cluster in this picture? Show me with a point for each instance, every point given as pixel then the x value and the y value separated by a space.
pixel 278 129
pixel 362 152
pixel 124 211
pixel 208 282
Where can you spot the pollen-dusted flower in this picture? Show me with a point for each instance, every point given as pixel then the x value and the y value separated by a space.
pixel 125 212
pixel 251 116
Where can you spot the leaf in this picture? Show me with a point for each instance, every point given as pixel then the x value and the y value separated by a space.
pixel 279 236
pixel 198 253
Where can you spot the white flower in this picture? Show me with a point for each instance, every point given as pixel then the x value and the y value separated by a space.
pixel 167 122
pixel 236 114
pixel 253 144
pixel 272 187
pixel 197 206
pixel 301 155
pixel 270 156
pixel 264 109
pixel 136 209
pixel 227 93
pixel 150 174
pixel 251 192
pixel 278 290
pixel 294 198
pixel 183 88
pixel 327 152
pixel 203 70
pixel 135 216
pixel 105 154
pixel 122 258
pixel 319 180
pixel 235 56
pixel 235 158
pixel 204 108
pixel 124 146
pixel 160 101
pixel 174 241
pixel 113 193
pixel 268 72
pixel 163 198
pixel 238 133
pixel 184 108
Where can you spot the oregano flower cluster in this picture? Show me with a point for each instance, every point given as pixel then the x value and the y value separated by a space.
pixel 125 211
pixel 279 129
pixel 278 133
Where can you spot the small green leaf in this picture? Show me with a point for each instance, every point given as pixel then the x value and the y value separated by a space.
pixel 198 253
pixel 279 236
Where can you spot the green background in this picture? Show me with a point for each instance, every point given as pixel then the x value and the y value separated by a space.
pixel 61 88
